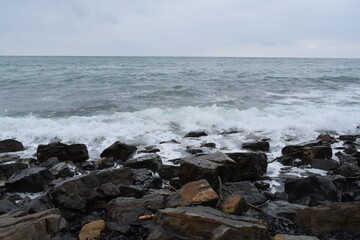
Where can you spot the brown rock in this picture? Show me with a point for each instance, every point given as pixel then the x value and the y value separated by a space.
pixel 234 204
pixel 92 230
pixel 193 193
pixel 293 237
pixel 324 219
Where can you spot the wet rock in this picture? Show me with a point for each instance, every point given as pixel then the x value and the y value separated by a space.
pixel 307 153
pixel 249 166
pixel 286 160
pixel 349 187
pixel 149 161
pixel 203 223
pixel 293 237
pixel 39 204
pixel 150 149
pixel 208 145
pixel 92 230
pixel 118 150
pixel 104 163
pixel 193 193
pixel 351 138
pixel 6 170
pixel 147 179
pixel 348 170
pixel 195 134
pixel 168 171
pixel 118 227
pixel 6 206
pixel 323 219
pixel 109 190
pixel 281 209
pixel 61 170
pixel 74 152
pixel 88 166
pixel 50 162
pixel 193 151
pixel 311 190
pixel 18 225
pixel 29 180
pixel 326 138
pixel 233 204
pixel 10 145
pixel 257 146
pixel 245 189
pixel 136 191
pixel 175 182
pixel 324 164
pixel 262 185
pixel 170 141
pixel 9 158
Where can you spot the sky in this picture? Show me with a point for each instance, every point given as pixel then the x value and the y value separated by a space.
pixel 234 28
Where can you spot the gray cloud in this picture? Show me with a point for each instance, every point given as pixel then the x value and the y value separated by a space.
pixel 307 28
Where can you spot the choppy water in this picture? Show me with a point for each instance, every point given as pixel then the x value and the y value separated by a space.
pixel 145 100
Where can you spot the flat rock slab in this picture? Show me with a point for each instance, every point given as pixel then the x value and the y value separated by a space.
pixel 203 223
pixel 324 219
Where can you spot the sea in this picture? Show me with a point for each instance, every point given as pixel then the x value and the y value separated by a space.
pixel 145 100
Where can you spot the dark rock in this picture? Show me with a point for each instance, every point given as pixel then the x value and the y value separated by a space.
pixel 257 146
pixel 326 138
pixel 104 163
pixel 262 185
pixel 9 158
pixel 245 189
pixel 171 141
pixel 145 178
pixel 281 209
pixel 324 164
pixel 350 150
pixel 88 166
pixel 307 152
pixel 10 145
pixel 6 206
pixel 203 223
pixel 233 204
pixel 323 219
pixel 348 170
pixel 149 161
pixel 42 225
pixel 175 182
pixel 6 170
pixel 136 191
pixel 118 150
pixel 286 160
pixel 193 193
pixel 208 145
pixel 109 190
pixel 118 227
pixel 39 204
pixel 50 162
pixel 74 152
pixel 345 158
pixel 193 151
pixel 61 170
pixel 195 134
pixel 29 180
pixel 311 190
pixel 349 187
pixel 150 149
pixel 351 138
pixel 293 237
pixel 168 171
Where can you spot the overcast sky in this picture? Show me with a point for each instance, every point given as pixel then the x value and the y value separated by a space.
pixel 255 28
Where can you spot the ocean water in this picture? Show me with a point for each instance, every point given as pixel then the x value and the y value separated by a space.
pixel 145 100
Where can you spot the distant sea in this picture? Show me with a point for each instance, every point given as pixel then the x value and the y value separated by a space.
pixel 145 100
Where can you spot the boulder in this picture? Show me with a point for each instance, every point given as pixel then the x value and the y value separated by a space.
pixel 324 219
pixel 245 189
pixel 10 145
pixel 168 171
pixel 208 145
pixel 19 225
pixel 9 158
pixel 136 191
pixel 146 178
pixel 119 151
pixel 311 190
pixel 193 193
pixel 249 166
pixel 39 204
pixel 74 152
pixel 204 223
pixel 195 134
pixel 308 152
pixel 233 204
pixel 92 230
pixel 326 138
pixel 150 161
pixel 50 162
pixel 348 169
pixel 281 209
pixel 6 206
pixel 104 163
pixel 61 170
pixel 109 190
pixel 6 170
pixel 324 164
pixel 293 237
pixel 351 138
pixel 29 180
pixel 257 146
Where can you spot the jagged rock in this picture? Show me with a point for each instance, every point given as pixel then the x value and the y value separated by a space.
pixel 150 161
pixel 308 152
pixel 281 209
pixel 29 180
pixel 74 152
pixel 42 225
pixel 92 230
pixel 324 164
pixel 193 193
pixel 245 189
pixel 208 145
pixel 6 206
pixel 61 170
pixel 257 146
pixel 168 171
pixel 118 150
pixel 104 163
pixel 351 138
pixel 323 219
pixel 203 223
pixel 233 204
pixel 311 190
pixel 39 204
pixel 195 134
pixel 145 178
pixel 50 162
pixel 10 145
pixel 136 191
pixel 6 170
pixel 293 237
pixel 237 167
pixel 348 169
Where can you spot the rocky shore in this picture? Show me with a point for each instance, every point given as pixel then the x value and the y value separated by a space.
pixel 129 193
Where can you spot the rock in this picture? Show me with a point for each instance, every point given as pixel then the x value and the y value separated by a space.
pixel 74 152
pixel 243 166
pixel 307 152
pixel 118 150
pixel 136 191
pixel 150 149
pixel 233 204
pixel 324 164
pixel 311 190
pixel 204 223
pixel 109 190
pixel 6 206
pixel 324 219
pixel 10 145
pixel 262 185
pixel 293 237
pixel 281 209
pixel 326 138
pixel 87 166
pixel 6 170
pixel 50 162
pixel 195 134
pixel 193 151
pixel 175 182
pixel 170 141
pixel 42 225
pixel 193 193
pixel 150 161
pixel 92 230
pixel 208 145
pixel 286 160
pixel 168 171
pixel 29 180
pixel 348 170
pixel 351 138
pixel 257 146
pixel 104 163
pixel 9 158
pixel 118 227
pixel 245 189
pixel 349 187
pixel 61 170
pixel 39 204
pixel 145 178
